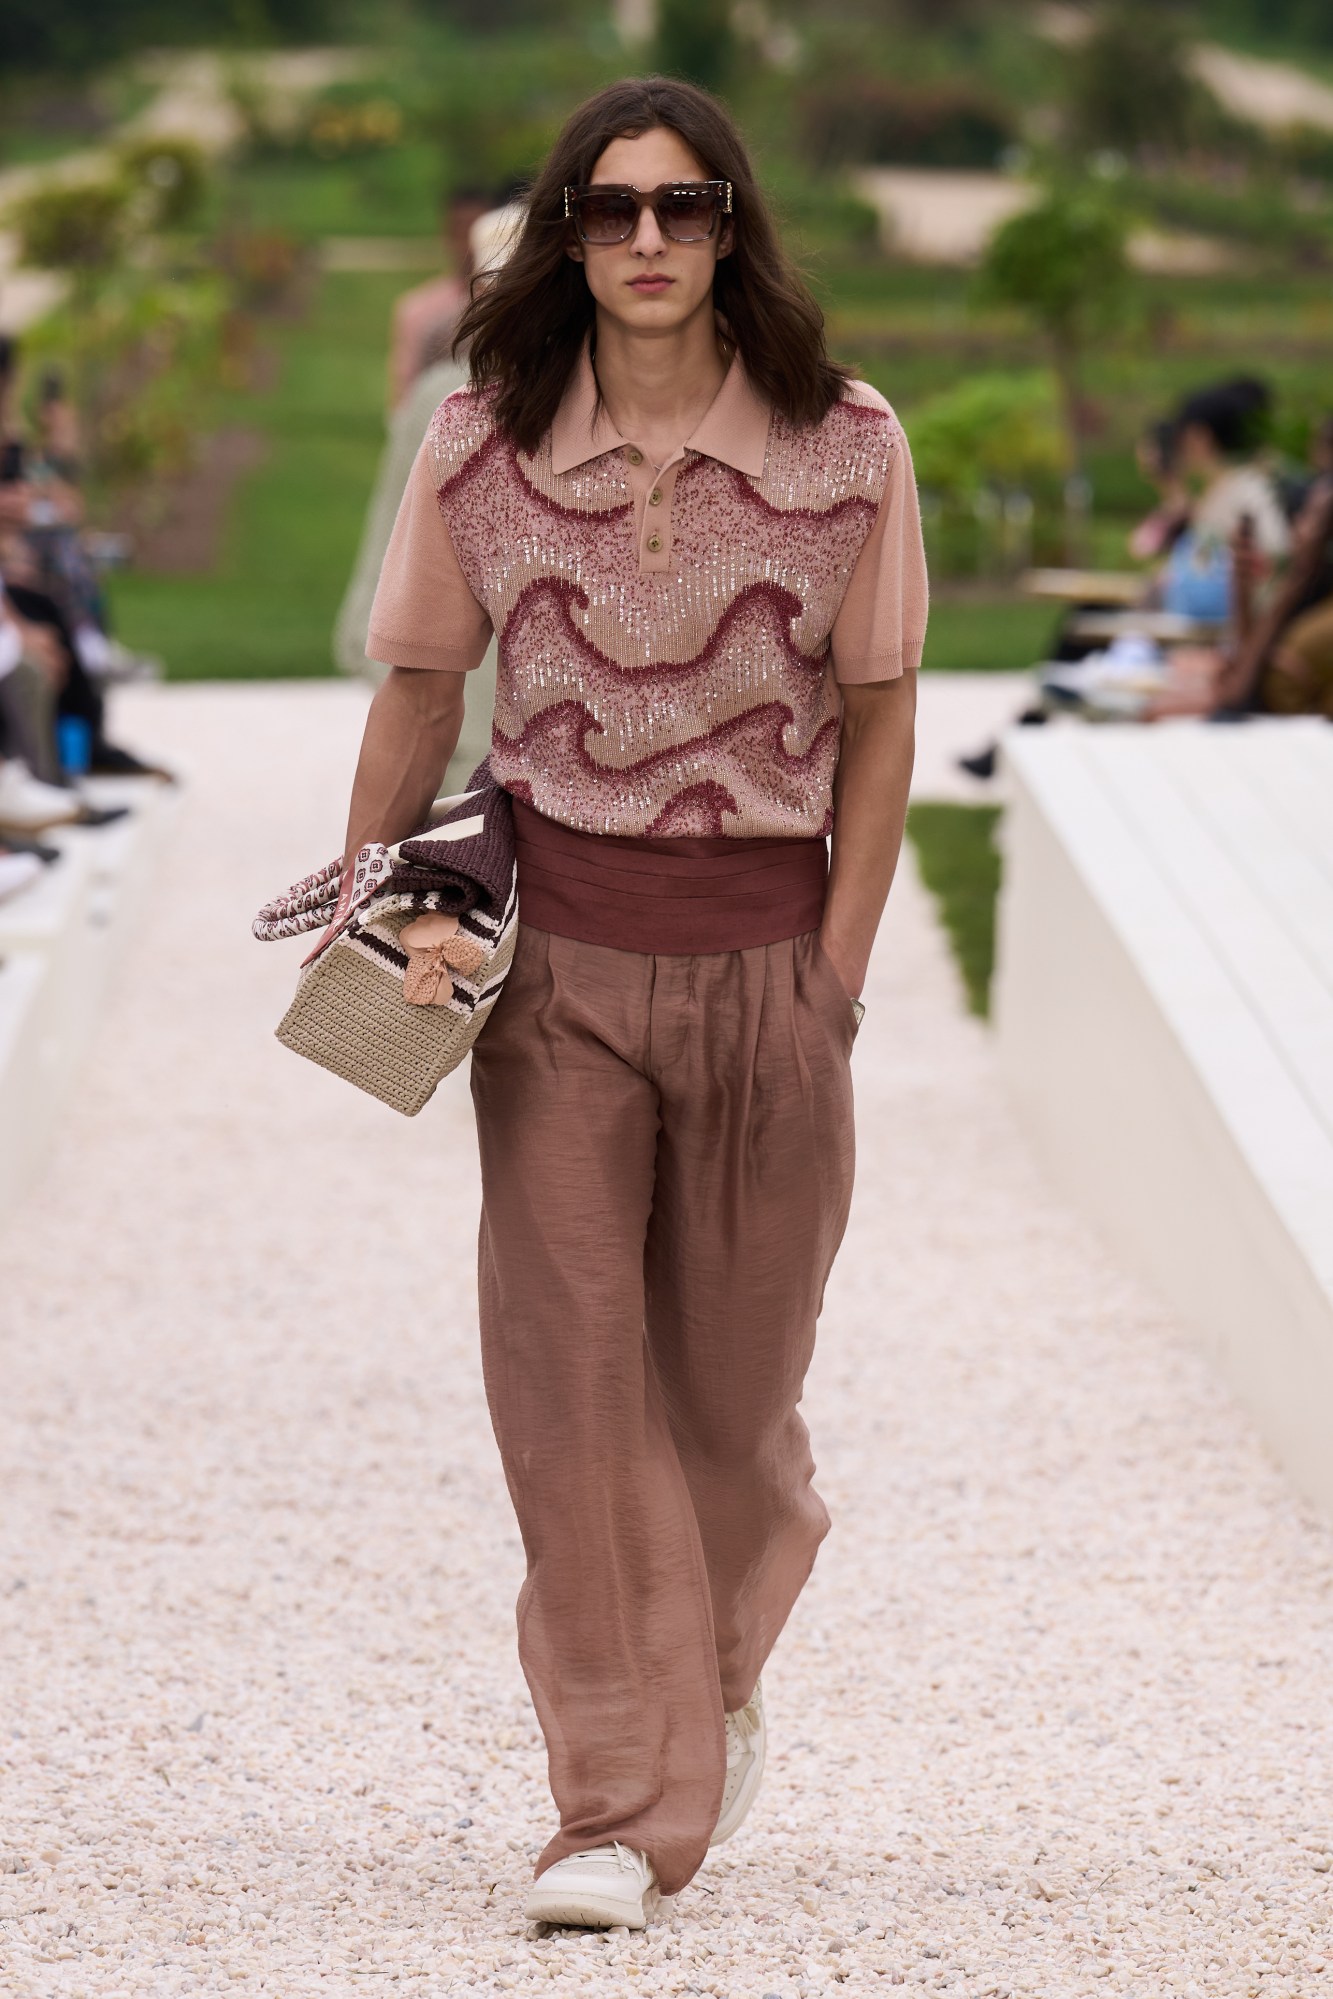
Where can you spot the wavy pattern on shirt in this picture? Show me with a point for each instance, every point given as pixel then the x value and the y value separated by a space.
pixel 697 701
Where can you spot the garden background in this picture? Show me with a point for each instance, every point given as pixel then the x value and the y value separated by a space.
pixel 220 302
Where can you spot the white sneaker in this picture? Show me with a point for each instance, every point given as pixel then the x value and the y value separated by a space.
pixel 602 1889
pixel 17 871
pixel 747 1740
pixel 29 806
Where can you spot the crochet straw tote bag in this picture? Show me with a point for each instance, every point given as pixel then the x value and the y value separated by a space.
pixel 373 1008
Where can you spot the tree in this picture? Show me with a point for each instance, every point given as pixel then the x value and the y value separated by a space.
pixel 81 35
pixel 1065 264
pixel 79 227
pixel 695 39
pixel 1129 87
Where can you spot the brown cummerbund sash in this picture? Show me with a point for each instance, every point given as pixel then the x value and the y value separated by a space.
pixel 666 897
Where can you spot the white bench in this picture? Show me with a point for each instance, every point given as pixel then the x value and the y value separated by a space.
pixel 29 1069
pixel 59 941
pixel 1164 1013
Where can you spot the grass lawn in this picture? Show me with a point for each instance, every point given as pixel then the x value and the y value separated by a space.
pixel 294 523
pixel 392 193
pixel 993 635
pixel 960 865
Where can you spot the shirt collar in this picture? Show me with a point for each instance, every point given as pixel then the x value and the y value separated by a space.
pixel 734 427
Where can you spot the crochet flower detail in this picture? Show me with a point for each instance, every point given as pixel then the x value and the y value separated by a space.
pixel 436 947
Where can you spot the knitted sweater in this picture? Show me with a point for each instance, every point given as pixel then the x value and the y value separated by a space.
pixel 670 639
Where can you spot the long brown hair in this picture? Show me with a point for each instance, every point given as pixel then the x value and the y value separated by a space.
pixel 526 324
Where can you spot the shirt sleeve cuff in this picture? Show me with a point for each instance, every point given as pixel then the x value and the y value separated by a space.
pixel 879 665
pixel 386 651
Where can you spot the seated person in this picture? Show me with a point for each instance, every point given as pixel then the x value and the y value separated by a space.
pixel 1220 528
pixel 1280 661
pixel 1160 528
pixel 27 805
pixel 1217 432
pixel 64 689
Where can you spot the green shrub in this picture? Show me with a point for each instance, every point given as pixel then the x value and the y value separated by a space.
pixel 140 351
pixel 695 39
pixel 817 212
pixel 1256 210
pixel 79 226
pixel 1307 150
pixel 337 127
pixel 999 430
pixel 873 118
pixel 170 174
pixel 1128 84
pixel 1065 264
pixel 268 125
pixel 493 108
pixel 258 263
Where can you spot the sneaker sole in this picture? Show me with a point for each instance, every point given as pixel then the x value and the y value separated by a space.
pixel 592 1912
pixel 743 1800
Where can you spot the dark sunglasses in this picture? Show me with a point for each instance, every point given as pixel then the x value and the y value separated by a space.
pixel 686 211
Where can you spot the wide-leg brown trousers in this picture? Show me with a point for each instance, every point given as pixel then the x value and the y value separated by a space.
pixel 667 1153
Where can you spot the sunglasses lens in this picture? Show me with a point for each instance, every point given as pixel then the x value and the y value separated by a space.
pixel 607 218
pixel 686 215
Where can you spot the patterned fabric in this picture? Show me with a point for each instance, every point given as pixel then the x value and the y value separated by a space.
pixel 670 643
pixel 308 905
pixel 388 1018
pixel 462 860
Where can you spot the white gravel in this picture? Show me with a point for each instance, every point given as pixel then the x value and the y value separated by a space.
pixel 1053 1718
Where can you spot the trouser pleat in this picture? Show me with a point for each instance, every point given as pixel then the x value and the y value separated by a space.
pixel 666 1151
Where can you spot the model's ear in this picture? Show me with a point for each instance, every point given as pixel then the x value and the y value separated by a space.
pixel 726 241
pixel 574 249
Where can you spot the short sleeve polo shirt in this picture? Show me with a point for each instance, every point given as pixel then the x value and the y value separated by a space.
pixel 671 639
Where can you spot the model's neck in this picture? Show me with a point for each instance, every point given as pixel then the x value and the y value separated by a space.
pixel 657 386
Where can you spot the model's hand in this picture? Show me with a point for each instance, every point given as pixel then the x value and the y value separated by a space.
pixel 849 968
pixel 870 805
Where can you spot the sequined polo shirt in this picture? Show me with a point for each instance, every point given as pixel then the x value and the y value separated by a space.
pixel 671 641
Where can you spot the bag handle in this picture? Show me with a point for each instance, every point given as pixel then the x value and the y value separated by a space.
pixel 311 903
pixel 307 905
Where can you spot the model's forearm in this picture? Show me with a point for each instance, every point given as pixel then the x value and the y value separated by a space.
pixel 412 731
pixel 869 812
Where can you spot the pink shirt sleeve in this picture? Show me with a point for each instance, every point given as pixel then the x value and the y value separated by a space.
pixel 423 612
pixel 881 624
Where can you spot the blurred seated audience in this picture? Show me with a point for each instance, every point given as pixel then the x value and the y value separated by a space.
pixel 1162 527
pixel 1219 432
pixel 1279 659
pixel 52 703
pixel 1218 533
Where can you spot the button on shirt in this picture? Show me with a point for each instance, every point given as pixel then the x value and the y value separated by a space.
pixel 670 641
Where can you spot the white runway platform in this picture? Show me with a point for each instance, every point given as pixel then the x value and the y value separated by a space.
pixel 1165 1016
pixel 1051 1720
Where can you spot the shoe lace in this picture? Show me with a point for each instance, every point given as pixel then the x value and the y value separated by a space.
pixel 624 1857
pixel 742 1723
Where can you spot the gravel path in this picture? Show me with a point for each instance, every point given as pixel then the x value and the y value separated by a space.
pixel 1053 1718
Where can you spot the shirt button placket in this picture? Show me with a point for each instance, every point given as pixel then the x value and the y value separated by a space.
pixel 656 528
